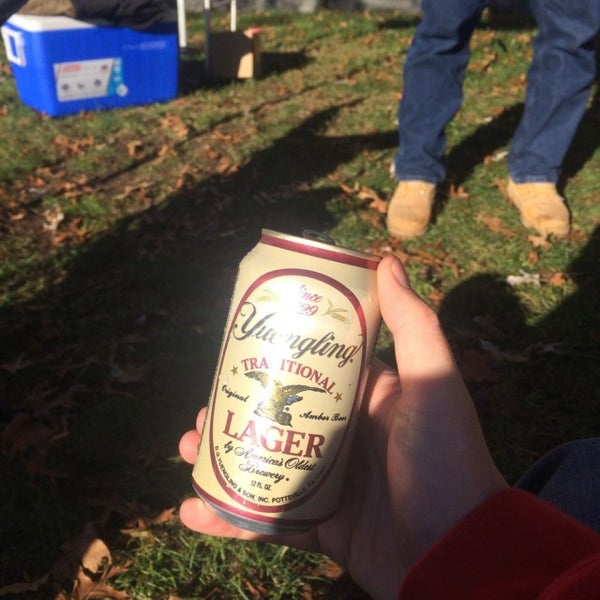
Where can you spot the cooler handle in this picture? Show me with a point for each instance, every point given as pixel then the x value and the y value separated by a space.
pixel 15 51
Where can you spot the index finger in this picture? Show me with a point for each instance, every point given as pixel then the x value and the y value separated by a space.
pixel 188 444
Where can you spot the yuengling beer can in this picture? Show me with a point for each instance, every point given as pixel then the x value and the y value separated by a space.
pixel 297 345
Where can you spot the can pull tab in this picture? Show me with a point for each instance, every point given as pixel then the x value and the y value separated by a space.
pixel 318 236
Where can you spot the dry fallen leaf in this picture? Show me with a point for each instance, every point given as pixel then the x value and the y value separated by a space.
pixel 135 148
pixel 130 373
pixel 25 431
pixel 18 364
pixel 477 366
pixel 380 205
pixel 53 217
pixel 436 297
pixel 225 165
pixel 256 590
pixel 539 241
pixel 18 216
pixel 521 355
pixel 495 225
pixel 558 279
pixel 496 157
pixel 73 146
pixel 366 194
pixel 143 523
pixel 86 563
pixel 176 125
pixel 372 218
pixel 458 192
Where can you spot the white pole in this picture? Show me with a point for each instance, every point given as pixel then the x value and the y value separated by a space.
pixel 207 35
pixel 233 26
pixel 181 26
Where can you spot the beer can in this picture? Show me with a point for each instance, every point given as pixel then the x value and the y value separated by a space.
pixel 286 393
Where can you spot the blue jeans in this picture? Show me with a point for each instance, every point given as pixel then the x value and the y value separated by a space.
pixel 569 478
pixel 559 81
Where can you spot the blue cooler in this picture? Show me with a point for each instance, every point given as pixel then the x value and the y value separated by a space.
pixel 63 66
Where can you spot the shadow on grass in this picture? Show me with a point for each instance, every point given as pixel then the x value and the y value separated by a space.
pixel 193 76
pixel 120 354
pixel 497 20
pixel 587 137
pixel 547 390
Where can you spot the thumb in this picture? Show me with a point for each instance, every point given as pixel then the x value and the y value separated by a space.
pixel 437 454
pixel 436 409
pixel 422 350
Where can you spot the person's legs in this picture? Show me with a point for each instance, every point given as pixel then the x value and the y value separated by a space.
pixel 558 87
pixel 432 90
pixel 432 94
pixel 569 478
pixel 559 81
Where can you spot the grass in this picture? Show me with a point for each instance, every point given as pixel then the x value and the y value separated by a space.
pixel 121 232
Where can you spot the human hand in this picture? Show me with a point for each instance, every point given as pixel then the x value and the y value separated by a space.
pixel 419 461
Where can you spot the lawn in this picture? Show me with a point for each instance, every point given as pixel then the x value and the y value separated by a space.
pixel 120 236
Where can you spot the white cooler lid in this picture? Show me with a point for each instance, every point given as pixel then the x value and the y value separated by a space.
pixel 50 23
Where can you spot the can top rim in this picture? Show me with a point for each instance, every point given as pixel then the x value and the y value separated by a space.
pixel 312 243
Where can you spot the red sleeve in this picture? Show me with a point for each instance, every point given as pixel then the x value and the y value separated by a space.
pixel 512 546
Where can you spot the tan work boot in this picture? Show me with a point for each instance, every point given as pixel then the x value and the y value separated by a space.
pixel 541 207
pixel 410 208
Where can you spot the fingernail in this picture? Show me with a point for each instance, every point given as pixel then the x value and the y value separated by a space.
pixel 398 271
